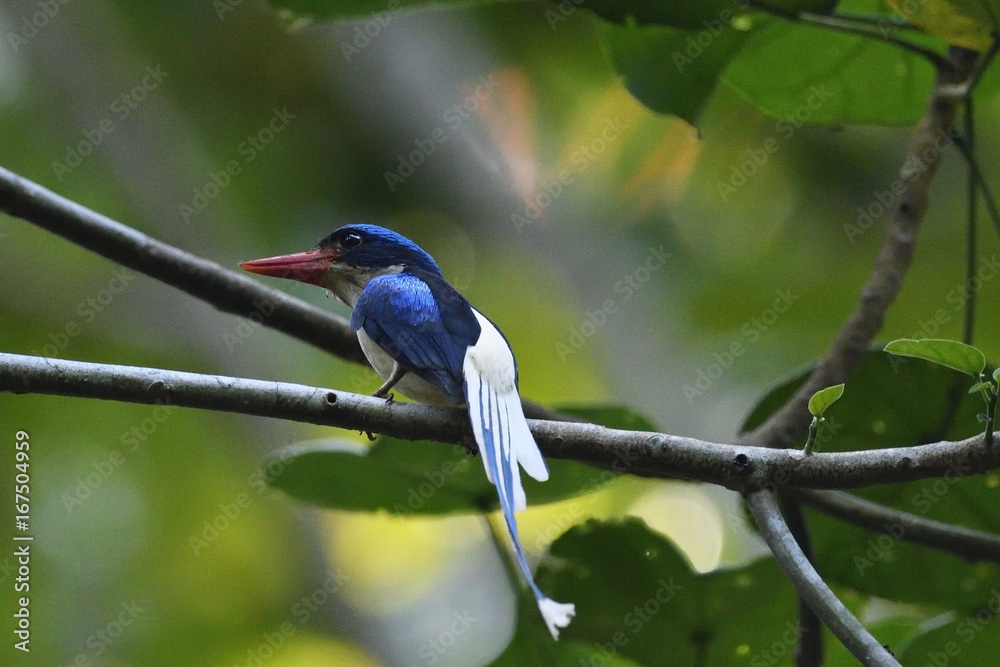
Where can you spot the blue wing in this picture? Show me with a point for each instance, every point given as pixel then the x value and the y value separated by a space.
pixel 423 323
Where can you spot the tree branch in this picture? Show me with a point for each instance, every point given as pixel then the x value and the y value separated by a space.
pixel 790 422
pixel 811 586
pixel 972 545
pixel 809 651
pixel 229 291
pixel 738 467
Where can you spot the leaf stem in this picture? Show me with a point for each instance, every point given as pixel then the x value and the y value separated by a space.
pixel 991 411
pixel 972 210
pixel 811 438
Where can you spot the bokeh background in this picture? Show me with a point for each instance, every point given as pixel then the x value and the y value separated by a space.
pixel 546 193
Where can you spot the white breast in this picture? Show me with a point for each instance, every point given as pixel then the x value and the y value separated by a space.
pixel 411 385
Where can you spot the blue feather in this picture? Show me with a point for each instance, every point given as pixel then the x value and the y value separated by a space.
pixel 423 323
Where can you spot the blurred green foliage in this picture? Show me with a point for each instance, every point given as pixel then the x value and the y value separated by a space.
pixel 234 132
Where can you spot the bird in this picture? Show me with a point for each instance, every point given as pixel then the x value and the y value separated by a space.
pixel 427 341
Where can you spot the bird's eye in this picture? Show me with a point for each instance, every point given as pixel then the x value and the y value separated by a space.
pixel 351 240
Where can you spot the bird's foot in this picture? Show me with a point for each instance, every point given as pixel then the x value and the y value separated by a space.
pixel 470 447
pixel 371 436
pixel 386 394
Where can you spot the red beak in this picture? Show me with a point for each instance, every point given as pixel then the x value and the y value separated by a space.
pixel 306 267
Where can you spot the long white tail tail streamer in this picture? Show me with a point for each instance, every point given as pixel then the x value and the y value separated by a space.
pixel 506 444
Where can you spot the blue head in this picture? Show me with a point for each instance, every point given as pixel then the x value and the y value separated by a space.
pixel 370 247
pixel 347 259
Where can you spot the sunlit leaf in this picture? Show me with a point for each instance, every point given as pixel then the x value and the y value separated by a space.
pixel 824 398
pixel 950 353
pixel 965 23
pixel 804 75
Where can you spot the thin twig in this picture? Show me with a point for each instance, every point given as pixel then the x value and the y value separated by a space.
pixel 811 586
pixel 791 421
pixel 977 174
pixel 851 27
pixel 738 467
pixel 878 21
pixel 982 65
pixel 809 651
pixel 972 211
pixel 972 545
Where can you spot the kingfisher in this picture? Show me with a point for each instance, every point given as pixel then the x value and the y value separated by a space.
pixel 427 341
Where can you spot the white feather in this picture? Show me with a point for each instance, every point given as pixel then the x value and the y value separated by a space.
pixel 490 364
pixel 506 445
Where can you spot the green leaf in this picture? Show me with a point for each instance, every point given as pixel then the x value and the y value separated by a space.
pixel 392 475
pixel 404 477
pixel 824 398
pixel 804 75
pixel 637 597
pixel 965 23
pixel 673 71
pixel 971 639
pixel 899 401
pixel 980 387
pixel 949 353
